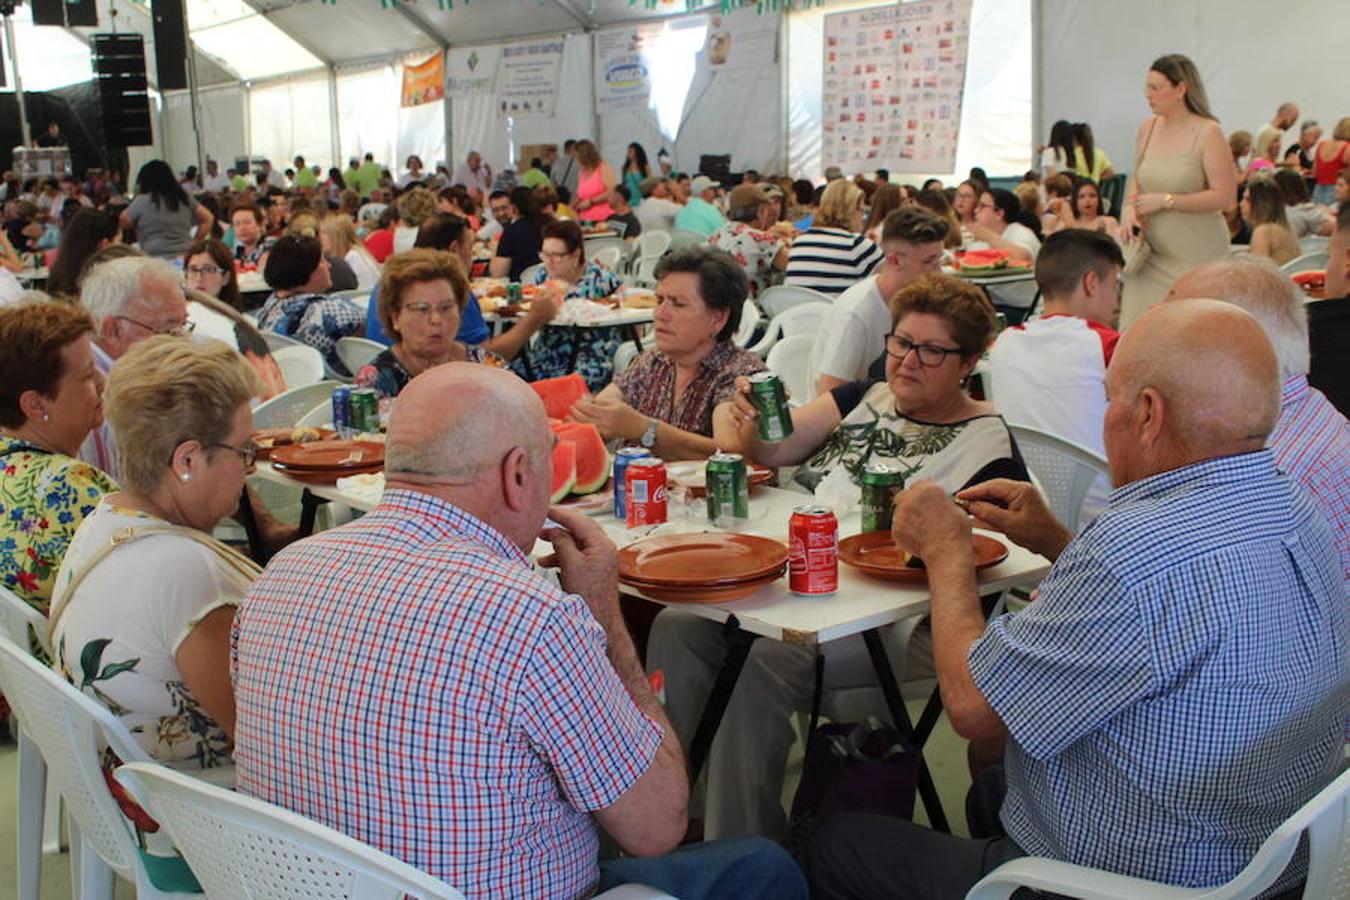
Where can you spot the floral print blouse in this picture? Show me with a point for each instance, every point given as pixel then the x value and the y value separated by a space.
pixel 755 250
pixel 44 497
pixel 551 353
pixel 388 376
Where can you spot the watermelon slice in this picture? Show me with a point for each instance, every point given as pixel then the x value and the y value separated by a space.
pixel 560 394
pixel 592 460
pixel 564 470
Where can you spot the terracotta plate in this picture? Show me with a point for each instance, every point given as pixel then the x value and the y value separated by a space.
pixel 708 593
pixel 693 477
pixel 269 439
pixel 324 476
pixel 700 559
pixel 876 554
pixel 343 456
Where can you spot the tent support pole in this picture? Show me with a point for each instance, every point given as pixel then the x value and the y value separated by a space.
pixel 333 129
pixel 24 131
pixel 194 107
pixel 1037 83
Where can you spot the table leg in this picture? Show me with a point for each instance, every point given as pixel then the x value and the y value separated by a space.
pixel 249 520
pixel 738 648
pixel 309 507
pixel 891 691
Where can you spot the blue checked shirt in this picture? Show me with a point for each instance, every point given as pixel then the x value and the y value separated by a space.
pixel 1179 687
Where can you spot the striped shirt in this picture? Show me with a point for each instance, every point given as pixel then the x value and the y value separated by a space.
pixel 1179 687
pixel 408 680
pixel 1311 443
pixel 831 260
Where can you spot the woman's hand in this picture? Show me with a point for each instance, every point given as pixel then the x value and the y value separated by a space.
pixel 1148 204
pixel 1129 222
pixel 743 412
pixel 614 418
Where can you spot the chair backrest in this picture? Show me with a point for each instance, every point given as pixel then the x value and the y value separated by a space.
pixel 790 359
pixel 1064 470
pixel 750 319
pixel 275 341
pixel 653 243
pixel 804 318
pixel 321 414
pixel 300 365
pixel 70 731
pixel 780 298
pixel 528 275
pixel 1308 262
pixel 1113 194
pixel 285 409
pixel 355 352
pixel 1313 242
pixel 17 618
pixel 356 297
pixel 240 847
pixel 644 269
pixel 683 237
pixel 608 256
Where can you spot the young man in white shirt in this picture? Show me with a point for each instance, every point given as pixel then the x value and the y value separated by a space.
pixel 1050 373
pixel 853 334
pixel 996 226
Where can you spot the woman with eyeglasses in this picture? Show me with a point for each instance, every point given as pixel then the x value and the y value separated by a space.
pixel 421 296
pixel 145 598
pixel 920 419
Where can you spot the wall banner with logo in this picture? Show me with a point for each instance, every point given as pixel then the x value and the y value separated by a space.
pixel 424 82
pixel 527 77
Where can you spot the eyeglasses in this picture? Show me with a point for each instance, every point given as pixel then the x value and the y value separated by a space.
pixel 179 330
pixel 205 271
pixel 424 309
pixel 248 453
pixel 930 355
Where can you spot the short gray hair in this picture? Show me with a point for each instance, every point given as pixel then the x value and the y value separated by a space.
pixel 1261 289
pixel 110 286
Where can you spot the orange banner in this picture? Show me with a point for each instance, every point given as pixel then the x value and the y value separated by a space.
pixel 424 82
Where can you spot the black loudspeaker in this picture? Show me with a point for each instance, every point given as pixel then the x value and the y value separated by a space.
pixel 170 44
pixel 119 69
pixel 65 12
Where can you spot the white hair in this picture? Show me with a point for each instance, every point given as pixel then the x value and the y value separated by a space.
pixel 110 286
pixel 1259 287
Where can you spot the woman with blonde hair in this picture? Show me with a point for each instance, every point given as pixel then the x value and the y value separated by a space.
pixel 833 255
pixel 145 597
pixel 1330 159
pixel 597 179
pixel 337 235
pixel 1240 145
pixel 1263 208
pixel 1183 179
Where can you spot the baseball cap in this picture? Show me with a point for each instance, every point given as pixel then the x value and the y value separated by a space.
pixel 700 184
pixel 747 195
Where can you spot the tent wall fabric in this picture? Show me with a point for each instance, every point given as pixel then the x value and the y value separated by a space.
pixel 289 119
pixel 223 111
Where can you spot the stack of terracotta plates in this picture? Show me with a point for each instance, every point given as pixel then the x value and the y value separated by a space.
pixel 324 462
pixel 702 568
pixel 877 554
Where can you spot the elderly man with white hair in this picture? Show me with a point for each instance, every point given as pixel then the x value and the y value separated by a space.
pixel 130 300
pixel 1311 440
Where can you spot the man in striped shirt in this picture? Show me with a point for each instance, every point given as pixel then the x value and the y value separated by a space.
pixel 1178 688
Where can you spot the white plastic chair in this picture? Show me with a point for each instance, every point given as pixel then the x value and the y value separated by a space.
pixel 1313 243
pixel 321 414
pixel 39 820
pixel 608 256
pixel 356 297
pixel 624 356
pixel 276 341
pixel 300 365
pixel 750 319
pixel 528 275
pixel 355 352
pixel 683 237
pixel 285 409
pixel 653 243
pixel 790 359
pixel 70 730
pixel 1064 471
pixel 1326 819
pixel 805 318
pixel 780 298
pixel 644 269
pixel 1308 262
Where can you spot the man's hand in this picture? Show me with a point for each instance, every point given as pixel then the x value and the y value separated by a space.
pixel 1017 509
pixel 929 525
pixel 614 418
pixel 588 562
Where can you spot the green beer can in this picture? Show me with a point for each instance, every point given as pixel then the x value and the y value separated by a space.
pixel 728 487
pixel 767 393
pixel 364 404
pixel 880 480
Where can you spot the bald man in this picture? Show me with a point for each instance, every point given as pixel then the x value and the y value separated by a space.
pixel 412 681
pixel 1311 440
pixel 1178 688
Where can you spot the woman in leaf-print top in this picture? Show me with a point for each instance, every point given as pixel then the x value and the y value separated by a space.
pixel 144 601
pixel 50 399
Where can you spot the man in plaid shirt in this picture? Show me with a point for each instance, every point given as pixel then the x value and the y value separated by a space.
pixel 1178 688
pixel 410 680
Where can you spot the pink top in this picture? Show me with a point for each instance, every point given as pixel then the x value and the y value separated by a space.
pixel 589 186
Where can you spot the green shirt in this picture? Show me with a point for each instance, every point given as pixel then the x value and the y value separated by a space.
pixel 699 215
pixel 533 178
pixel 306 178
pixel 238 183
pixel 368 178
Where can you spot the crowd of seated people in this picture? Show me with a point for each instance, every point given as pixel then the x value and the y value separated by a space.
pixel 1176 630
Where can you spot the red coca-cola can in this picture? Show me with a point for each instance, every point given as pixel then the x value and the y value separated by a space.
pixel 813 551
pixel 644 483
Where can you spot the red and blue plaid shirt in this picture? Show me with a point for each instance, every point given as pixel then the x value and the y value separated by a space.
pixel 408 679
pixel 1311 444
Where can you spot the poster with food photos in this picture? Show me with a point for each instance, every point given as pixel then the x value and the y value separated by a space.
pixel 893 80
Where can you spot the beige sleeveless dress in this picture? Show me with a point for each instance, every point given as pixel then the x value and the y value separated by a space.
pixel 1179 241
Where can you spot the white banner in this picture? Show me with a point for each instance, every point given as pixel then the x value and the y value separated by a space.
pixel 893 82
pixel 471 71
pixel 527 77
pixel 622 68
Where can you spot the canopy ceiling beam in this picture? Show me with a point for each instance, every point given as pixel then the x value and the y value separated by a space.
pixel 422 25
pixel 584 21
pixel 304 43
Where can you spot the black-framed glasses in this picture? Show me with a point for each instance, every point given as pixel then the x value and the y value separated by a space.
pixel 204 271
pixel 930 355
pixel 178 330
pixel 248 453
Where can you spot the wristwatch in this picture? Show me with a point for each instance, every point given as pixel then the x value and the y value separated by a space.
pixel 648 439
pixel 1168 200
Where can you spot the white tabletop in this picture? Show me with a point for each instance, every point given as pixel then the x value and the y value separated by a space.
pixel 31 276
pixel 861 603
pixel 253 283
pixel 617 317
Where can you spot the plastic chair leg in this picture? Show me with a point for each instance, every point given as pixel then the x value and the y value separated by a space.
pixel 90 877
pixel 32 778
pixel 51 823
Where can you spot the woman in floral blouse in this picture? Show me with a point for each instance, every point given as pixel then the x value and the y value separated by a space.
pixel 563 253
pixel 50 399
pixel 145 598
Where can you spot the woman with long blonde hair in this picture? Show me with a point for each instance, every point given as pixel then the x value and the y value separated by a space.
pixel 833 255
pixel 337 234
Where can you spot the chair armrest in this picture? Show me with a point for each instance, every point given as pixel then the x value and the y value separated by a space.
pixel 1073 880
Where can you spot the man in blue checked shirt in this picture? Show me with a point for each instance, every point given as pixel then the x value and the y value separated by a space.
pixel 1179 686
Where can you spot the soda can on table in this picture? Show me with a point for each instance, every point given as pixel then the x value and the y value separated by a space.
pixel 728 487
pixel 514 292
pixel 342 411
pixel 645 492
pixel 813 551
pixel 365 410
pixel 770 398
pixel 880 481
pixel 622 457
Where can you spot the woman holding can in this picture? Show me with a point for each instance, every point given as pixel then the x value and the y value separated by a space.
pixel 664 400
pixel 919 419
